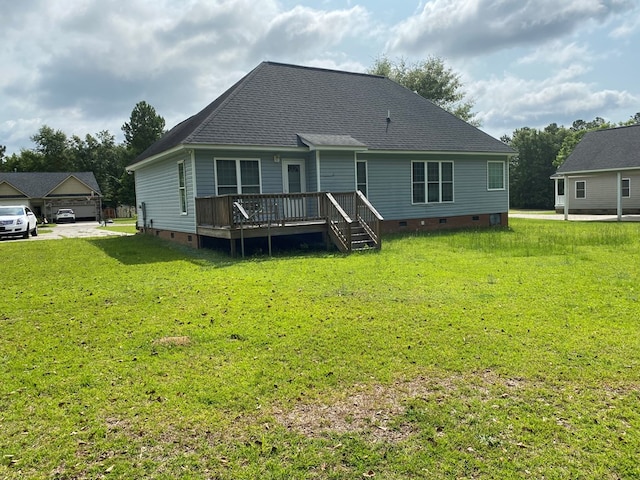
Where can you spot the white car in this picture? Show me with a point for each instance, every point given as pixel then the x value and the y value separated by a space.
pixel 65 215
pixel 17 220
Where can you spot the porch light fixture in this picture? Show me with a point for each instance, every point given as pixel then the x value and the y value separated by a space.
pixel 276 158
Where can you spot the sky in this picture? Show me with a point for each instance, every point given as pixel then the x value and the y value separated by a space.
pixel 81 66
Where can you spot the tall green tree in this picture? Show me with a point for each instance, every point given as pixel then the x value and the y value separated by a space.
pixel 530 185
pixel 432 79
pixel 101 155
pixel 3 150
pixel 144 127
pixel 54 148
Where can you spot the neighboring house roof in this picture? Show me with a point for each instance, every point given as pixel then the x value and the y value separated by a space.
pixel 40 184
pixel 279 105
pixel 605 150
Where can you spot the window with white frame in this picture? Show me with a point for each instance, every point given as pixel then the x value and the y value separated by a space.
pixel 432 182
pixel 237 176
pixel 626 188
pixel 361 176
pixel 495 176
pixel 182 187
pixel 581 189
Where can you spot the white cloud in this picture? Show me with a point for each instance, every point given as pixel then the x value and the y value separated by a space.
pixel 562 98
pixel 471 27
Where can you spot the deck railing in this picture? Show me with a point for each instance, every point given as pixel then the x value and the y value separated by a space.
pixel 341 211
pixel 261 209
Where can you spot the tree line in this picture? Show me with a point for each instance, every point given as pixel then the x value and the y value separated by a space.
pixel 54 151
pixel 540 152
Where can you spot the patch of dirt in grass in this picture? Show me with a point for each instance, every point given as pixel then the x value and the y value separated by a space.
pixel 181 341
pixel 375 409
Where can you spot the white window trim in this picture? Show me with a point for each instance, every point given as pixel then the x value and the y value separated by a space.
pixel 575 192
pixel 426 182
pixel 366 174
pixel 504 187
pixel 238 176
pixel 182 189
pixel 622 188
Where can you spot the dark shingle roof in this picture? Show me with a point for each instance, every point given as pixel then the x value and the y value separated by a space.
pixel 610 149
pixel 39 184
pixel 274 102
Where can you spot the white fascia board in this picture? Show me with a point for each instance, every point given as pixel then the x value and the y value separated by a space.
pixel 578 173
pixel 437 152
pixel 179 148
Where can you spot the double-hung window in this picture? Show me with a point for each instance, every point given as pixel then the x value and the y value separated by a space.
pixel 581 189
pixel 237 176
pixel 626 188
pixel 182 188
pixel 432 182
pixel 495 176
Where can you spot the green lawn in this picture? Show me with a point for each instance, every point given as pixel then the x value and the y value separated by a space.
pixel 492 354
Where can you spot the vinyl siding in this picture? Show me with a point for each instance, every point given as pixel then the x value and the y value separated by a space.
pixel 602 191
pixel 157 187
pixel 390 186
pixel 337 172
pixel 270 170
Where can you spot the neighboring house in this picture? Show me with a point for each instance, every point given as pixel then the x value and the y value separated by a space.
pixel 268 151
pixel 602 174
pixel 46 192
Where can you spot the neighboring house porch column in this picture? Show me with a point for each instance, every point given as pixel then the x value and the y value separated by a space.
pixel 619 196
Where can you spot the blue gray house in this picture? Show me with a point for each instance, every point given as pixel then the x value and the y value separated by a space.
pixel 292 149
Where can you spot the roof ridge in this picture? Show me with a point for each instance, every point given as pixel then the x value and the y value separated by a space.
pixel 618 127
pixel 321 69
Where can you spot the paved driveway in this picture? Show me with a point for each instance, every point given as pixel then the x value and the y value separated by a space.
pixel 71 230
pixel 576 218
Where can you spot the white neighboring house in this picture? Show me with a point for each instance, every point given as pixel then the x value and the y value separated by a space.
pixel 602 174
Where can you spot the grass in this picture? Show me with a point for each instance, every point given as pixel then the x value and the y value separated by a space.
pixel 491 354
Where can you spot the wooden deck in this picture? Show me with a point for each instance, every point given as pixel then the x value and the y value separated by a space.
pixel 346 219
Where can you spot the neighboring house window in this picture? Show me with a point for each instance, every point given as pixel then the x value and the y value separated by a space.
pixel 432 182
pixel 361 177
pixel 581 189
pixel 182 188
pixel 237 176
pixel 626 188
pixel 495 175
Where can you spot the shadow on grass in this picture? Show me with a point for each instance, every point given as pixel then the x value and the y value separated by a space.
pixel 145 249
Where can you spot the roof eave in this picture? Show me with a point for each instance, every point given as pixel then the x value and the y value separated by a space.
pixel 600 170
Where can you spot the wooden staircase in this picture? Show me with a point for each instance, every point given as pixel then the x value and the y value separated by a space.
pixel 353 223
pixel 361 239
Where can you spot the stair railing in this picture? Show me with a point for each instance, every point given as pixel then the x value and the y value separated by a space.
pixel 338 222
pixel 369 218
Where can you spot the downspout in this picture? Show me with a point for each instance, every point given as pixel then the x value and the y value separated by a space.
pixel 567 194
pixel 194 187
pixel 318 170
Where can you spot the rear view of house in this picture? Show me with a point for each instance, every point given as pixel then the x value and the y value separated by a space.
pixel 602 174
pixel 351 154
